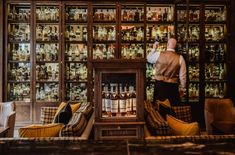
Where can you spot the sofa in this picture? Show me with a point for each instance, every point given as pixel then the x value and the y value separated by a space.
pixel 219 116
pixel 80 125
pixel 7 117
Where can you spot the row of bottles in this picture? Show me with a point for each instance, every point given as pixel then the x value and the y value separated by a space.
pixel 47 52
pixel 19 52
pixel 47 92
pixel 193 90
pixel 132 14
pixel 19 32
pixel 214 32
pixel 47 13
pixel 132 51
pixel 74 13
pixel 194 32
pixel 132 33
pixel 194 72
pixel 76 52
pixel 47 72
pixel 214 71
pixel 103 51
pixel 215 14
pixel 104 14
pixel 104 33
pixel 18 13
pixel 215 52
pixel 216 90
pixel 19 71
pixel 76 33
pixel 76 71
pixel 165 14
pixel 194 15
pixel 118 100
pixel 18 91
pixel 159 32
pixel 76 92
pixel 47 32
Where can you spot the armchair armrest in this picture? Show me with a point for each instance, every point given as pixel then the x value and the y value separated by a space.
pixel 47 114
pixel 10 122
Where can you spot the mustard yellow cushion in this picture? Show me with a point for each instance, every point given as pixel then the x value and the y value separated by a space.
pixel 49 130
pixel 75 107
pixel 179 127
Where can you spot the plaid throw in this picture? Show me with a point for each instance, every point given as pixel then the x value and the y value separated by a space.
pixel 86 109
pixel 154 121
pixel 75 127
pixel 47 114
pixel 183 113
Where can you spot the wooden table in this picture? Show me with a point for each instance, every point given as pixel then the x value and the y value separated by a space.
pixel 3 131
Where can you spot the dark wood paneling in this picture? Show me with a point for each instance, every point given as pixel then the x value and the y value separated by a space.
pixel 1 50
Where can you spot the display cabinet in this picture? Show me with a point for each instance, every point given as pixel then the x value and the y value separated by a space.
pixel 119 99
pixel 49 48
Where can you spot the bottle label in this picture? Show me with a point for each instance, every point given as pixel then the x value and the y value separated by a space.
pixel 134 104
pixel 122 104
pixel 128 105
pixel 107 105
pixel 114 106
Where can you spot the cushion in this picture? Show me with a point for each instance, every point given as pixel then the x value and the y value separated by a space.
pixel 86 109
pixel 156 124
pixel 64 115
pixel 75 107
pixel 164 108
pixel 183 113
pixel 75 127
pixel 48 114
pixel 49 130
pixel 179 127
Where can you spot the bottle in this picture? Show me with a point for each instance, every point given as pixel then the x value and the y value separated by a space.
pixel 103 100
pixel 122 100
pixel 114 99
pixel 133 99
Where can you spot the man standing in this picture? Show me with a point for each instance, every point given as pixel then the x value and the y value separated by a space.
pixel 170 73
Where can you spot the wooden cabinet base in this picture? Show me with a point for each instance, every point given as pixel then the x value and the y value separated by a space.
pixel 119 130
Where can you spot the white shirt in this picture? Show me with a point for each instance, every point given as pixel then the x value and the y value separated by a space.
pixel 153 56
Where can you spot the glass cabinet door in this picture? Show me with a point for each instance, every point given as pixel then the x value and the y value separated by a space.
pixel 18 52
pixel 76 53
pixel 118 95
pixel 47 68
pixel 132 31
pixel 215 51
pixel 104 32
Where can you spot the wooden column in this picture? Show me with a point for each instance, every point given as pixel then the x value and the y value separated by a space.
pixel 232 51
pixel 1 50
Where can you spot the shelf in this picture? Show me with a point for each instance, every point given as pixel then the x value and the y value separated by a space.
pixel 18 21
pixel 151 42
pixel 47 81
pixel 192 22
pixel 215 81
pixel 16 61
pixel 215 22
pixel 66 61
pixel 216 62
pixel 47 42
pixel 43 62
pixel 75 22
pixel 78 81
pixel 47 22
pixel 160 22
pixel 132 22
pixel 215 42
pixel 104 42
pixel 75 42
pixel 194 81
pixel 11 81
pixel 18 42
pixel 132 42
pixel 45 102
pixel 104 22
pixel 193 61
pixel 190 42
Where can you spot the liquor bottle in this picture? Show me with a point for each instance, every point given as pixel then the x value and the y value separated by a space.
pixel 128 100
pixel 122 100
pixel 107 100
pixel 103 100
pixel 133 99
pixel 114 99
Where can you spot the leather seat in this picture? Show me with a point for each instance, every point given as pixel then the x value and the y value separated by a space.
pixel 7 117
pixel 219 116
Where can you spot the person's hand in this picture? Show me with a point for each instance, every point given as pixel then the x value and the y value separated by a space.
pixel 155 45
pixel 181 92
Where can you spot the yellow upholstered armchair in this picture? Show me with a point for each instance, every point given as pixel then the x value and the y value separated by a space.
pixel 7 117
pixel 219 116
